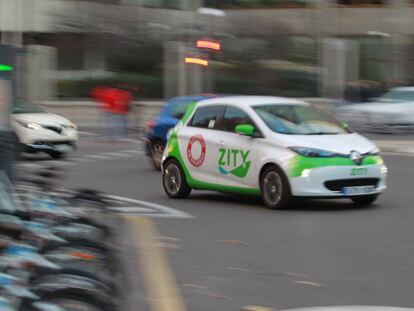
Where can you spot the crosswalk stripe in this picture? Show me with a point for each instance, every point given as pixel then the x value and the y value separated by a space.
pixel 99 157
pixel 133 151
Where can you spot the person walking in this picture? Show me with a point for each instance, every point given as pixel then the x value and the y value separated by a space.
pixel 123 104
pixel 115 104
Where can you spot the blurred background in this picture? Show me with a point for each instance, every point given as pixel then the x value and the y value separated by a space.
pixel 327 49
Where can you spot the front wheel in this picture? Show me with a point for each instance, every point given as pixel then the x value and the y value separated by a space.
pixel 58 155
pixel 157 150
pixel 173 180
pixel 365 199
pixel 275 188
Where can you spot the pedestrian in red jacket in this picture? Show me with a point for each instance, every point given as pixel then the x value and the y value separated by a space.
pixel 115 103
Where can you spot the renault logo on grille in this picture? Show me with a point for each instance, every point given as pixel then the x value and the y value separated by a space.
pixel 356 157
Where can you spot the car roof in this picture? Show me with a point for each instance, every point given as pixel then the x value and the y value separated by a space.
pixel 188 98
pixel 252 100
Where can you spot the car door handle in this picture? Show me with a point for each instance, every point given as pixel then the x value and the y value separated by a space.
pixel 221 142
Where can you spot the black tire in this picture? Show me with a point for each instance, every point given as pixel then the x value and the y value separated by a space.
pixel 75 295
pixel 365 199
pixel 275 188
pixel 156 152
pixel 57 155
pixel 103 277
pixel 174 181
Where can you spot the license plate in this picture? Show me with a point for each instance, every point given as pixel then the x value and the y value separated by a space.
pixel 64 148
pixel 358 190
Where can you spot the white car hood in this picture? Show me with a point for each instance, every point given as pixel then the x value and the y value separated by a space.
pixel 41 118
pixel 341 143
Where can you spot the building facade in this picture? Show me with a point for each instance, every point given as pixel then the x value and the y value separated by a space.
pixel 373 37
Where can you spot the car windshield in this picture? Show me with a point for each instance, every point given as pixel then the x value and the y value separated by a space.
pixel 398 96
pixel 23 106
pixel 299 120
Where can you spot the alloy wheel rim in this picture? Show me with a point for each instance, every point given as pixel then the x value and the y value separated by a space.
pixel 172 179
pixel 272 187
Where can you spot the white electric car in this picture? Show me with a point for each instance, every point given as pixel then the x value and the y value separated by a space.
pixel 40 131
pixel 275 147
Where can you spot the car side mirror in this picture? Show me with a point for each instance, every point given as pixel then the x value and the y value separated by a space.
pixel 244 129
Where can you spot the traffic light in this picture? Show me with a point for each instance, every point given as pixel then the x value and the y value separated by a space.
pixel 6 67
pixel 7 58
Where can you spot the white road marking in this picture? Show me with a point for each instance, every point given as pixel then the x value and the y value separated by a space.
pixel 28 165
pixel 84 160
pixel 131 210
pixel 308 283
pixel 133 151
pixel 131 140
pixel 64 163
pixel 256 308
pixel 111 154
pixel 124 155
pixel 87 133
pixel 167 212
pixel 99 157
pixel 127 206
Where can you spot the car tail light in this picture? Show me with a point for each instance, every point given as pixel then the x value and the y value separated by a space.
pixel 150 125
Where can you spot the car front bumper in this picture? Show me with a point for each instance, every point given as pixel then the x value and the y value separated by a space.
pixel 61 147
pixel 330 181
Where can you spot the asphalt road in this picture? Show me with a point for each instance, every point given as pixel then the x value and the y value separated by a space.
pixel 235 253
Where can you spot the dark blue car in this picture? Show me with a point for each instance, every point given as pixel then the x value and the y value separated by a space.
pixel 156 132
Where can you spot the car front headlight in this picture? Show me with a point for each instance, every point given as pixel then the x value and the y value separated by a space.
pixel 71 125
pixel 29 125
pixel 313 153
pixel 375 151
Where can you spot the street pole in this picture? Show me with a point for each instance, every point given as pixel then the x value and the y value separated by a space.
pixel 10 43
pixel 8 139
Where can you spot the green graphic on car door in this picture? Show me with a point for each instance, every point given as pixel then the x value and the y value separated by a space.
pixel 234 162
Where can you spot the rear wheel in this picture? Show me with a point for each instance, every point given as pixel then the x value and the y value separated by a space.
pixel 157 150
pixel 173 180
pixel 275 188
pixel 365 199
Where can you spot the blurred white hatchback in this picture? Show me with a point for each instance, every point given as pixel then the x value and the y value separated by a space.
pixel 40 131
pixel 394 110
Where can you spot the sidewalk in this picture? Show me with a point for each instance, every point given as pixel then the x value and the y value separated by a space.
pixel 396 146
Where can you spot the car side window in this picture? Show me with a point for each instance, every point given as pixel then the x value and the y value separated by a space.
pixel 206 117
pixel 234 116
